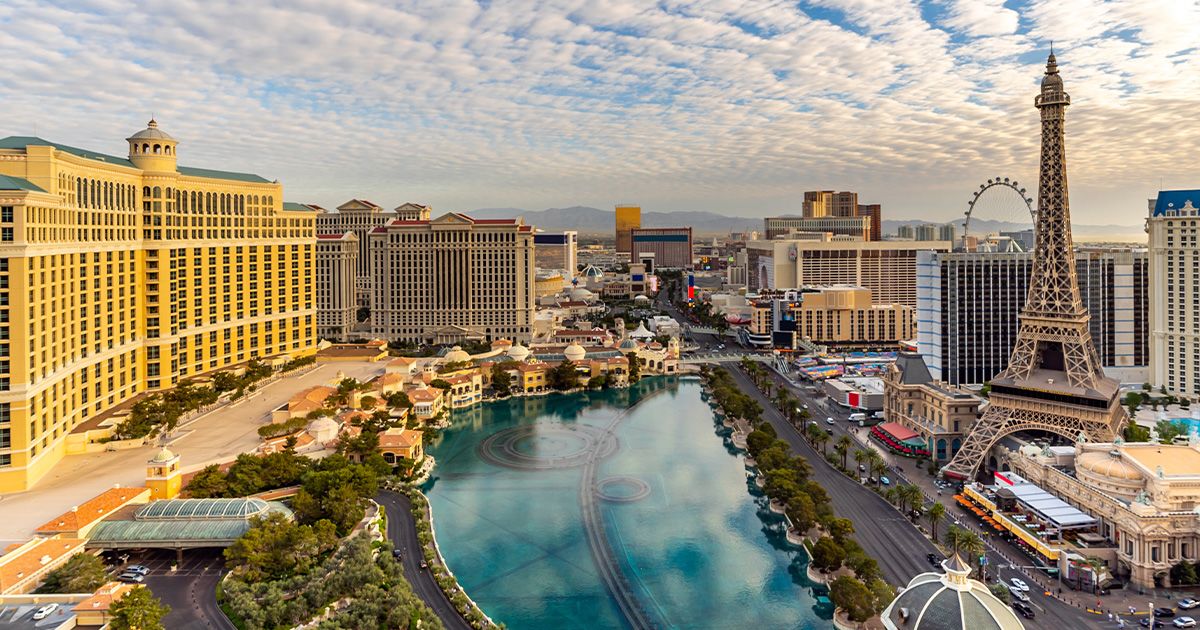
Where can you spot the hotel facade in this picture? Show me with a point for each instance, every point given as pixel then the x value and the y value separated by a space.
pixel 1175 291
pixel 452 279
pixel 336 288
pixel 125 275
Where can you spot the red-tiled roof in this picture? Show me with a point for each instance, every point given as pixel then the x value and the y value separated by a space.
pixel 100 506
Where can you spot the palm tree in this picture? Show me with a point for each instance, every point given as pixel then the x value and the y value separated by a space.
pixel 823 439
pixel 965 541
pixel 859 456
pixel 842 447
pixel 913 494
pixel 891 495
pixel 937 513
pixel 878 467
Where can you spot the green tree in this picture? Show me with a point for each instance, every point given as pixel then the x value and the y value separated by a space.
pixel 563 376
pixel 827 555
pixel 275 547
pixel 853 597
pixel 208 482
pixel 441 384
pixel 1136 433
pixel 1167 431
pixel 822 438
pixel 139 609
pixel 398 400
pixel 1000 590
pixel 635 367
pixel 802 511
pixel 937 514
pixel 882 592
pixel 841 529
pixel 83 573
pixel 501 380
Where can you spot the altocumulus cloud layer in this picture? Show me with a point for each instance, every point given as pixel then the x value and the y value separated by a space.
pixel 734 106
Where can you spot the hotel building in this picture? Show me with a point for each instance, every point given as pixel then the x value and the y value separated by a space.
pixel 1175 291
pixel 627 218
pixel 360 216
pixel 940 413
pixel 124 275
pixel 839 315
pixel 887 268
pixel 661 248
pixel 557 251
pixel 968 302
pixel 336 289
pixel 820 211
pixel 452 279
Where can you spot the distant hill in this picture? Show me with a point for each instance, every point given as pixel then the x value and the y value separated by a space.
pixel 588 220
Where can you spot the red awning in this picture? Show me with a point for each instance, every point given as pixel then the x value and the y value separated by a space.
pixel 898 431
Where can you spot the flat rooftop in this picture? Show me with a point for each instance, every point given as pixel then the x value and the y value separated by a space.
pixel 1176 460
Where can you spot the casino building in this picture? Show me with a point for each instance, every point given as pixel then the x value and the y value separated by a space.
pixel 124 275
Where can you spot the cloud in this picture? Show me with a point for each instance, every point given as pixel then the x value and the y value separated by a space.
pixel 725 105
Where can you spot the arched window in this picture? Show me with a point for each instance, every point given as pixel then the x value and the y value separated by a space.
pixel 167 149
pixel 145 191
pixel 133 148
pixel 145 147
pixel 157 149
pixel 157 192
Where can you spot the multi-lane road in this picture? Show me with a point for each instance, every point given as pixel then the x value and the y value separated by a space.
pixel 402 531
pixel 886 535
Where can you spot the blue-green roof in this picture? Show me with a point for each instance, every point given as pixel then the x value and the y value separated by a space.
pixel 209 173
pixel 16 183
pixel 292 206
pixel 220 532
pixel 20 142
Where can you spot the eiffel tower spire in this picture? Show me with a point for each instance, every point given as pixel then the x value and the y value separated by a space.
pixel 1053 381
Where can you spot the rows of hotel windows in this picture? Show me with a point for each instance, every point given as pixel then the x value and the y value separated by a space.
pixel 1179 252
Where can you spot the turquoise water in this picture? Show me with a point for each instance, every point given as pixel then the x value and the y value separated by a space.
pixel 668 511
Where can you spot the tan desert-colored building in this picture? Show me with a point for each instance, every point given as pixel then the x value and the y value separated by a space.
pixel 1144 495
pixel 452 279
pixel 337 301
pixel 836 315
pixel 940 413
pixel 125 275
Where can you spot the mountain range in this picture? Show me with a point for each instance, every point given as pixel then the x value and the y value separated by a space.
pixel 596 221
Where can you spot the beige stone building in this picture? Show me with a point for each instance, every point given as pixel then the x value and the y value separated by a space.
pixel 360 216
pixel 940 413
pixel 1174 283
pixel 124 275
pixel 336 286
pixel 452 279
pixel 1144 495
pixel 833 315
pixel 887 268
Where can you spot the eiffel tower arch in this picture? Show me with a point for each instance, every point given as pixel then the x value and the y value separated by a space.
pixel 1053 381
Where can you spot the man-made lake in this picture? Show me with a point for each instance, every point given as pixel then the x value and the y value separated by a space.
pixel 615 509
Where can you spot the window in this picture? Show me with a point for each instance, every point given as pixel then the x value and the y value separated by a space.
pixel 6 214
pixel 6 235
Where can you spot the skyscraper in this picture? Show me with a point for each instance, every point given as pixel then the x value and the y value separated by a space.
pixel 336 287
pixel 627 218
pixel 1175 291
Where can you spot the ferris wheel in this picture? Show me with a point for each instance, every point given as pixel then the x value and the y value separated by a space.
pixel 999 200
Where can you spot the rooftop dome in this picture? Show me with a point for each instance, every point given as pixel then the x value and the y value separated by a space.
pixel 582 295
pixel 591 271
pixel 501 344
pixel 950 601
pixel 641 298
pixel 1109 464
pixel 457 355
pixel 151 132
pixel 164 455
pixel 518 352
pixel 574 352
pixel 628 345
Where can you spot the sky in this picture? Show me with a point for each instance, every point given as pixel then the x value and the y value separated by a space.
pixel 730 106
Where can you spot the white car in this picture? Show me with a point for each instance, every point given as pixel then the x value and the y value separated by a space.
pixel 1187 604
pixel 1018 594
pixel 828 420
pixel 1184 622
pixel 1019 584
pixel 44 611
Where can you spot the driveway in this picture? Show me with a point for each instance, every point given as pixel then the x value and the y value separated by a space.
pixel 402 531
pixel 190 591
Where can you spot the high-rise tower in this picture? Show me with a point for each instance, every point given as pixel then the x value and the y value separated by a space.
pixel 1053 381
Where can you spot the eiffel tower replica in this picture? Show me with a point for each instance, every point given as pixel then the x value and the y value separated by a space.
pixel 1053 381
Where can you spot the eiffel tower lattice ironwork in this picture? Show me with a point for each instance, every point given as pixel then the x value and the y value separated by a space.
pixel 1053 381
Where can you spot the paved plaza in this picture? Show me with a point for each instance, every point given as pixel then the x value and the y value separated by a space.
pixel 217 436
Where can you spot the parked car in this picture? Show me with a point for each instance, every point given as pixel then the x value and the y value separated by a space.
pixel 133 578
pixel 1187 603
pixel 1148 622
pixel 1184 622
pixel 45 611
pixel 1023 609
pixel 137 568
pixel 396 554
pixel 1018 594
pixel 885 481
pixel 1019 583
pixel 1163 611
pixel 862 468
